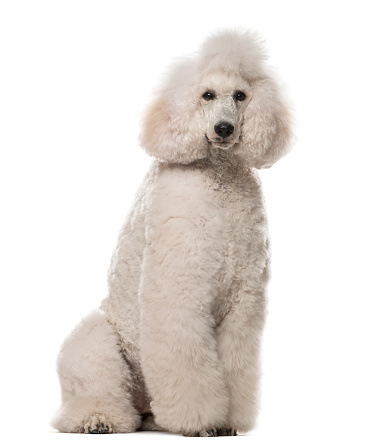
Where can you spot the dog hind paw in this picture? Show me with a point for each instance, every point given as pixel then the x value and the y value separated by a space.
pixel 97 424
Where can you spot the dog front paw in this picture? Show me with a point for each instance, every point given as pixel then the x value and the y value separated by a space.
pixel 226 431
pixel 97 424
pixel 202 433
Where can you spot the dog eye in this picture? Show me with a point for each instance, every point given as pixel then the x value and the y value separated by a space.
pixel 208 96
pixel 239 96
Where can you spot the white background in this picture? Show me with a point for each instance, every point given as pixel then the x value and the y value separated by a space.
pixel 74 78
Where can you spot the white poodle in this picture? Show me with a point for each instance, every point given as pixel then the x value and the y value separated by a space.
pixel 175 345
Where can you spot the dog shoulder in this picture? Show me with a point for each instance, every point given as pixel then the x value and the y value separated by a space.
pixel 181 191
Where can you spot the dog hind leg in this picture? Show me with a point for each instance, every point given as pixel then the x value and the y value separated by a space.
pixel 95 381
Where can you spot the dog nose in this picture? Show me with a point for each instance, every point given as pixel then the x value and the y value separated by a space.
pixel 224 129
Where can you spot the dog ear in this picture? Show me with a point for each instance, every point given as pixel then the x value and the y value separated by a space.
pixel 173 129
pixel 267 127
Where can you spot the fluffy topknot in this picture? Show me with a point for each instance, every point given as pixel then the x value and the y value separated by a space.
pixel 239 52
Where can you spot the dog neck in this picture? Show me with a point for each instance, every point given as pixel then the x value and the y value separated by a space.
pixel 222 165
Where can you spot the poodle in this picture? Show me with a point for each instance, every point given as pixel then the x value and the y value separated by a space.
pixel 175 345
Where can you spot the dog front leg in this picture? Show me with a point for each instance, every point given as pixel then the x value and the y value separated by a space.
pixel 239 337
pixel 178 346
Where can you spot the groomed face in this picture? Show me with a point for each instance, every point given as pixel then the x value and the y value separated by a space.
pixel 223 99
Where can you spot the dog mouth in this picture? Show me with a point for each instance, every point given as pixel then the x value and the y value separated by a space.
pixel 220 143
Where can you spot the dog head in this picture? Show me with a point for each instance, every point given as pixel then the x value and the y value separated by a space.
pixel 225 97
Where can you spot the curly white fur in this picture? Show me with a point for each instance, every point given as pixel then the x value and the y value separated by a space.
pixel 175 345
